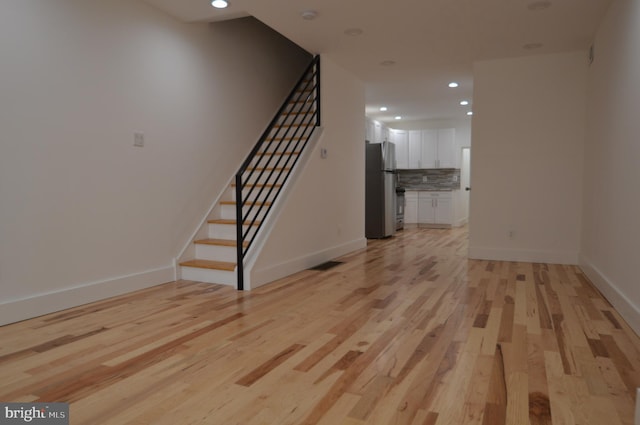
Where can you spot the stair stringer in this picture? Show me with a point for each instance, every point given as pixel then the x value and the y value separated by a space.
pixel 269 222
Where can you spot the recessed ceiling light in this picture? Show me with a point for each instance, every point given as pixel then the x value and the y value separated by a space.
pixel 464 102
pixel 388 63
pixel 453 84
pixel 398 117
pixel 539 5
pixel 219 4
pixel 470 113
pixel 532 46
pixel 353 32
pixel 309 15
pixel 383 109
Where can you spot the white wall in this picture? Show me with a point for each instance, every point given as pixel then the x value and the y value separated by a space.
pixel 83 214
pixel 526 162
pixel 324 215
pixel 610 229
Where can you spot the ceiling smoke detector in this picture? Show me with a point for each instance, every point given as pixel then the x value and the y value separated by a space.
pixel 353 32
pixel 309 15
pixel 532 46
pixel 538 5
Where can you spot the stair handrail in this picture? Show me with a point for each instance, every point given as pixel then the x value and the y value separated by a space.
pixel 278 172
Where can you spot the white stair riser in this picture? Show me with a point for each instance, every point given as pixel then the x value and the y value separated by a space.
pixel 254 194
pixel 226 231
pixel 266 178
pixel 210 276
pixel 286 145
pixel 298 117
pixel 275 160
pixel 291 132
pixel 216 253
pixel 228 212
pixel 306 108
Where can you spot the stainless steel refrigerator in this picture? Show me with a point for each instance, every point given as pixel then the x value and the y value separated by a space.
pixel 380 190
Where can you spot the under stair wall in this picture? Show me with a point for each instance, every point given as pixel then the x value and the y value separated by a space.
pixel 324 215
pixel 264 178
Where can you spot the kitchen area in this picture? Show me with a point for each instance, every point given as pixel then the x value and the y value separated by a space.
pixel 430 168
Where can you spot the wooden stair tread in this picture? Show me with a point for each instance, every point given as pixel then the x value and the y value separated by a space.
pixel 259 185
pixel 295 124
pixel 228 221
pixel 209 264
pixel 278 153
pixel 268 169
pixel 219 242
pixel 294 102
pixel 297 113
pixel 266 204
pixel 280 139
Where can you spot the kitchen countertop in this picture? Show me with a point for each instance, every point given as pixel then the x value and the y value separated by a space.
pixel 421 189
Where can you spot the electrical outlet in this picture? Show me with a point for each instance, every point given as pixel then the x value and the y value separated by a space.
pixel 424 179
pixel 323 153
pixel 138 140
pixel 511 234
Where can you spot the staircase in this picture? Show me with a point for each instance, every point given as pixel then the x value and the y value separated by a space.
pixel 256 187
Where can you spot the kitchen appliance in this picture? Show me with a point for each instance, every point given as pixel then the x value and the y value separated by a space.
pixel 380 190
pixel 400 208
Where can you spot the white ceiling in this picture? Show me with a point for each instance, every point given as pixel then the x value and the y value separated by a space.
pixel 431 41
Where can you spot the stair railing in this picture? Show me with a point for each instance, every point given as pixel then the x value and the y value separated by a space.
pixel 287 135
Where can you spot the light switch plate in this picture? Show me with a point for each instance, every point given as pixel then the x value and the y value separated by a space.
pixel 138 140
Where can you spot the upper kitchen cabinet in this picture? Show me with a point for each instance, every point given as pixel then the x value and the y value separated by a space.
pixel 420 149
pixel 415 149
pixel 400 138
pixel 438 148
pixel 446 152
pixel 369 131
pixel 376 132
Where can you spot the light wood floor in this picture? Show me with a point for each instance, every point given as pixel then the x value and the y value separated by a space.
pixel 407 332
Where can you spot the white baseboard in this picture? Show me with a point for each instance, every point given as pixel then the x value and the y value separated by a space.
pixel 460 222
pixel 50 302
pixel 528 256
pixel 269 274
pixel 623 305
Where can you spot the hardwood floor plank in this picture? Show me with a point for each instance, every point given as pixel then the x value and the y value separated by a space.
pixel 407 331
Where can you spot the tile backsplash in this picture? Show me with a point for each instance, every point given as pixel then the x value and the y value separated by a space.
pixel 437 179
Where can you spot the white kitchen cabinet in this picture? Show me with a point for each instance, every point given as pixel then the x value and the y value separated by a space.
pixel 426 209
pixel 415 148
pixel 400 138
pixel 423 149
pixel 444 211
pixel 369 131
pixel 446 148
pixel 435 208
pixel 429 149
pixel 377 132
pixel 411 207
pixel 438 147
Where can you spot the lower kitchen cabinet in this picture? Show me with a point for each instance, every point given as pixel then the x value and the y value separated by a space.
pixel 423 207
pixel 411 206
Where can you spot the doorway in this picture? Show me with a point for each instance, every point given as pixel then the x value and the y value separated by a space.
pixel 465 181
